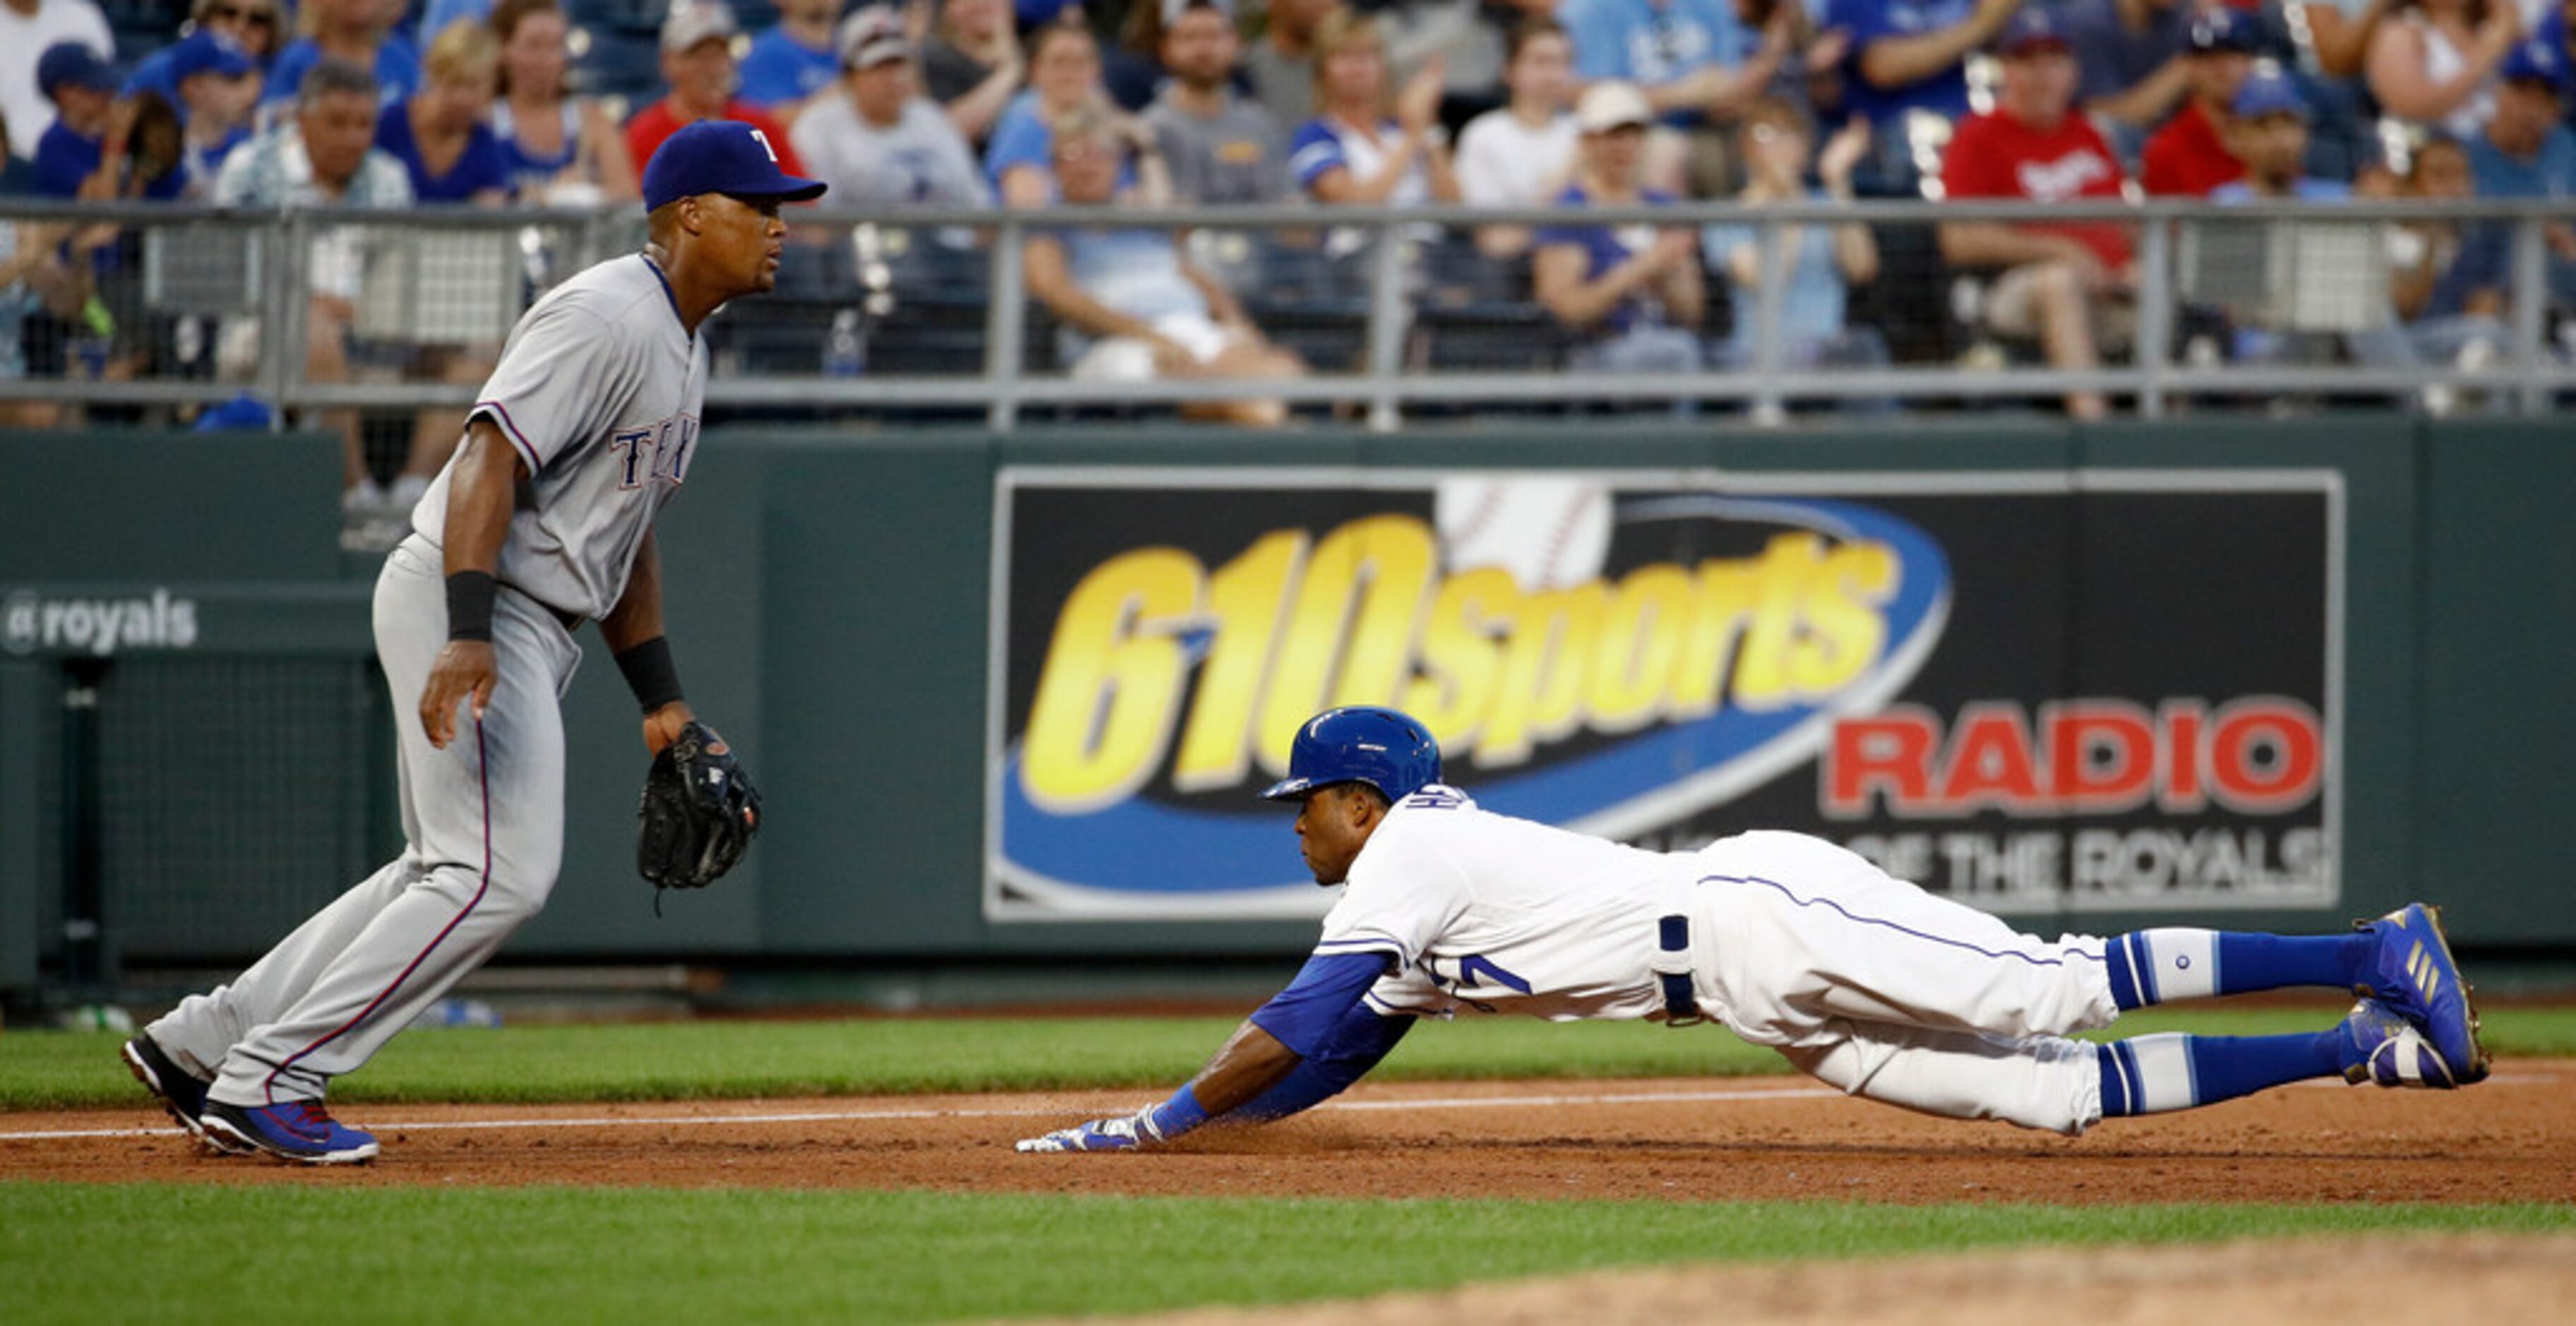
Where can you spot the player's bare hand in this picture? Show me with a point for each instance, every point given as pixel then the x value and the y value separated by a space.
pixel 1125 1133
pixel 662 726
pixel 464 671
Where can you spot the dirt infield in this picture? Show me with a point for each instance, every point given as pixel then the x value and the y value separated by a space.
pixel 2512 1138
pixel 2429 1278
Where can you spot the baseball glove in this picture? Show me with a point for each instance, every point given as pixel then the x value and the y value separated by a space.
pixel 699 811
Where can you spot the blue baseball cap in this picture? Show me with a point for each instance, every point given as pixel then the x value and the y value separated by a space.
pixel 206 51
pixel 720 156
pixel 242 411
pixel 2216 30
pixel 69 62
pixel 2538 62
pixel 2269 94
pixel 2033 26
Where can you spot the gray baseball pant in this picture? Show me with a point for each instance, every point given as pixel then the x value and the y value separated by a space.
pixel 483 830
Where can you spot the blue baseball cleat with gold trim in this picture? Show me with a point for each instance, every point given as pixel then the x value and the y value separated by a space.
pixel 2415 975
pixel 2381 1046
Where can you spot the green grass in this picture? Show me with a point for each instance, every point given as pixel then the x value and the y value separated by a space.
pixel 88 1254
pixel 709 1060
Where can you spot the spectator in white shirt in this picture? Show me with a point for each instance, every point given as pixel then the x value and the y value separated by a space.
pixel 1521 154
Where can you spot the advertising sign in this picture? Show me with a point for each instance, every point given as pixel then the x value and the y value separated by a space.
pixel 2098 690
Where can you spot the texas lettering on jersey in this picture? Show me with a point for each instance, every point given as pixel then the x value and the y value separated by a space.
pixel 660 452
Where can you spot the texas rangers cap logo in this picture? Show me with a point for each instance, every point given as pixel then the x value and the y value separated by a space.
pixel 720 156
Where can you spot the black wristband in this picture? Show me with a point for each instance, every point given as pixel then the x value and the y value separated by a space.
pixel 469 605
pixel 650 673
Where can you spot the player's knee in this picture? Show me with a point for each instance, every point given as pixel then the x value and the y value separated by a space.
pixel 520 891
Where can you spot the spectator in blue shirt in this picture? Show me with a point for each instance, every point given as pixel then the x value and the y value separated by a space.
pixel 1632 293
pixel 216 86
pixel 358 31
pixel 794 61
pixel 2527 150
pixel 1694 61
pixel 253 25
pixel 1910 55
pixel 1823 261
pixel 1064 76
pixel 443 136
pixel 2129 62
pixel 2446 278
pixel 1354 154
pixel 83 90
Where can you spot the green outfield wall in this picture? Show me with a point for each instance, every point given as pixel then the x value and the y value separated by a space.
pixel 2378 613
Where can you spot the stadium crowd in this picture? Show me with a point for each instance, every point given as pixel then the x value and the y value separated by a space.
pixel 402 104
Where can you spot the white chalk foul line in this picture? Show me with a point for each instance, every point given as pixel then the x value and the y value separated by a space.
pixel 864 1116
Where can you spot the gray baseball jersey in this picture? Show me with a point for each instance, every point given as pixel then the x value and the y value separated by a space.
pixel 921 161
pixel 599 391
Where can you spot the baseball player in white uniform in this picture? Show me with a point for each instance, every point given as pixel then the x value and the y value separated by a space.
pixel 544 518
pixel 1863 980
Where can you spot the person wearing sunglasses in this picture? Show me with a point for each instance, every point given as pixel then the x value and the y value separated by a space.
pixel 251 27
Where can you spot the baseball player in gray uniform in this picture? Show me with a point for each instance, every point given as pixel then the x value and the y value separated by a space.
pixel 1860 979
pixel 544 518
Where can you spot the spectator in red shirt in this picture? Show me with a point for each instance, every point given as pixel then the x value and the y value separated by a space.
pixel 2188 157
pixel 2067 282
pixel 698 66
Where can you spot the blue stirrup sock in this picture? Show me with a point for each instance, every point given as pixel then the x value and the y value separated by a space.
pixel 2154 966
pixel 2174 1071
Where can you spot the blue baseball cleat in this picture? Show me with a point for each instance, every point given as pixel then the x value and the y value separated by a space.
pixel 183 1096
pixel 297 1130
pixel 2380 1045
pixel 2415 975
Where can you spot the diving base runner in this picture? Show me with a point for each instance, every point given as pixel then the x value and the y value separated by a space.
pixel 1860 979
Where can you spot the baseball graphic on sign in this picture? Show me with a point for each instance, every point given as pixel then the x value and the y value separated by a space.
pixel 1549 532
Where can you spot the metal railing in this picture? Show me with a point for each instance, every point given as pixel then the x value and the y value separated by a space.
pixel 232 289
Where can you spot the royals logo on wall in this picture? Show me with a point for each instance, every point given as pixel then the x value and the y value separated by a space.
pixel 2110 690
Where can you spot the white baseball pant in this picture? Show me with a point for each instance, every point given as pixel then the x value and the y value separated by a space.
pixel 1886 991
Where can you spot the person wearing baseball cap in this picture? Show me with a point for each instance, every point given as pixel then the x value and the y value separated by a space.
pixel 83 90
pixel 217 84
pixel 2527 150
pixel 28 29
pixel 2268 130
pixel 2066 283
pixel 1632 294
pixel 698 66
pixel 875 139
pixel 2188 157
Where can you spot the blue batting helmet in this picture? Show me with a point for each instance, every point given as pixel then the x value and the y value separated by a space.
pixel 1360 743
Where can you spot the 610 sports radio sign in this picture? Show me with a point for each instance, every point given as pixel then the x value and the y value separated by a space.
pixel 2045 691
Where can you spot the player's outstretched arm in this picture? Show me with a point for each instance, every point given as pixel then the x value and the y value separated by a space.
pixel 1297 1024
pixel 481 493
pixel 1363 1037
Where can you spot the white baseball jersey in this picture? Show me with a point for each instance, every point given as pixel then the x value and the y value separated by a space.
pixel 1501 915
pixel 599 389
